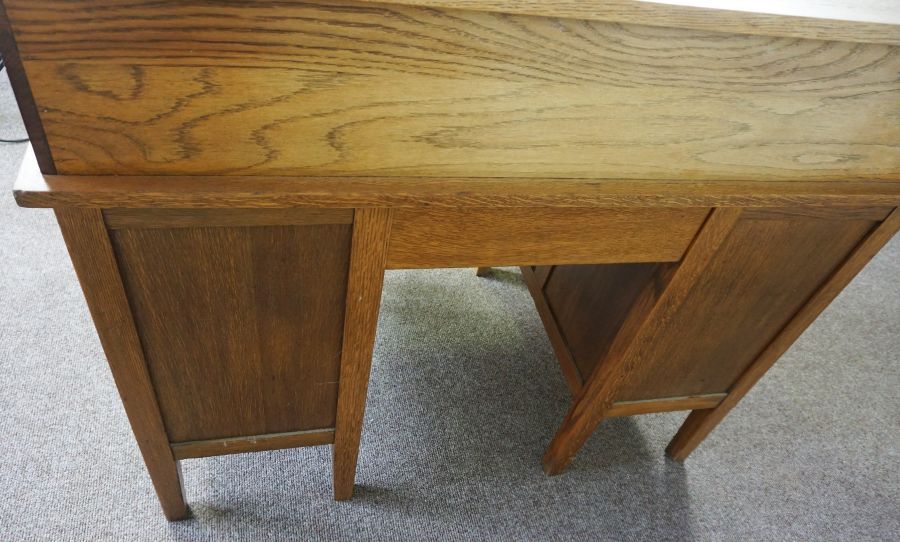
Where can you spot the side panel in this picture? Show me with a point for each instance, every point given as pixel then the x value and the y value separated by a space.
pixel 762 275
pixel 241 325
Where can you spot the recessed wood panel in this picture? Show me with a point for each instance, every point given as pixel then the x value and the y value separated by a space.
pixel 589 303
pixel 428 238
pixel 761 276
pixel 241 326
pixel 339 88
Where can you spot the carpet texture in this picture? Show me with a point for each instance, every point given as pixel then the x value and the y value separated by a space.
pixel 465 396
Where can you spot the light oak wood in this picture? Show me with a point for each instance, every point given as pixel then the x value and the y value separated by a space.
pixel 669 404
pixel 267 89
pixel 700 423
pixel 32 189
pixel 471 237
pixel 241 325
pixel 257 443
pixel 95 263
pixel 655 304
pixel 119 219
pixel 233 178
pixel 865 21
pixel 371 229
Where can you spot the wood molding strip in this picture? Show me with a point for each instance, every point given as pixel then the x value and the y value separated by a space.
pixel 669 404
pixel 257 443
pixel 117 219
pixel 95 264
pixel 701 423
pixel 24 98
pixel 34 189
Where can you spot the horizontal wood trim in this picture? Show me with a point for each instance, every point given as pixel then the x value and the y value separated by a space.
pixel 650 406
pixel 843 21
pixel 117 219
pixel 32 189
pixel 428 238
pixel 259 443
pixel 876 214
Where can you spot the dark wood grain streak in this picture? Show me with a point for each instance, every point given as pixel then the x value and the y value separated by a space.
pixel 25 100
pixel 95 263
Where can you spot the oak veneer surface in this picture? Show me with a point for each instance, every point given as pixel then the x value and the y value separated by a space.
pixel 763 273
pixel 867 21
pixel 344 88
pixel 428 238
pixel 589 304
pixel 241 326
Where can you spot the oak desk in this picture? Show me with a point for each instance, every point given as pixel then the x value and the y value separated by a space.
pixel 686 188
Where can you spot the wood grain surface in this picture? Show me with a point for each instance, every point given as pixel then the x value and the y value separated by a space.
pixel 253 443
pixel 120 219
pixel 657 303
pixel 343 88
pixel 371 229
pixel 762 275
pixel 95 263
pixel 700 423
pixel 589 305
pixel 873 21
pixel 427 238
pixel 241 326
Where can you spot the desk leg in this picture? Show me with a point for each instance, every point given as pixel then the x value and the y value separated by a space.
pixel 656 304
pixel 95 263
pixel 700 423
pixel 368 252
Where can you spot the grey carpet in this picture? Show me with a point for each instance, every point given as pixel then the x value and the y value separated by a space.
pixel 465 396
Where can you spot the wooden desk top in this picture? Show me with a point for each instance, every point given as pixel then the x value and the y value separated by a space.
pixel 331 89
pixel 865 21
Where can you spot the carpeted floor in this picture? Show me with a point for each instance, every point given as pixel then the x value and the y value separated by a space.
pixel 465 396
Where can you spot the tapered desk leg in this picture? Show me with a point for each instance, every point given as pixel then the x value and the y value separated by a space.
pixel 371 229
pixel 700 423
pixel 92 255
pixel 654 305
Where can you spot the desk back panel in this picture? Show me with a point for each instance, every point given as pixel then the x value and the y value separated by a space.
pixel 337 88
pixel 241 325
pixel 764 272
